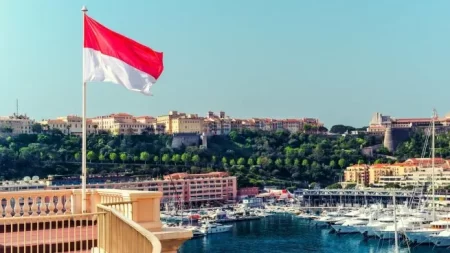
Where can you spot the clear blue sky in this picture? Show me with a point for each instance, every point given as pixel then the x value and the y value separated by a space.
pixel 340 61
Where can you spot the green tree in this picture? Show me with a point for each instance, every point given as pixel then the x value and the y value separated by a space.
pixel 91 156
pixel 232 162
pixel 156 159
pixel 185 158
pixel 305 163
pixel 342 163
pixel 335 186
pixel 144 156
pixel 250 162
pixel 224 161
pixel 196 159
pixel 77 156
pixel 241 161
pixel 165 158
pixel 176 158
pixel 279 162
pixel 332 164
pixel 296 163
pixel 101 158
pixel 123 157
pixel 113 157
pixel 36 128
pixel 288 162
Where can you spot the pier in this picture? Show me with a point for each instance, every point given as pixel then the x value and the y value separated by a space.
pixel 326 198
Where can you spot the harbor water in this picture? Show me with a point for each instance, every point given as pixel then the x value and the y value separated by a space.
pixel 287 233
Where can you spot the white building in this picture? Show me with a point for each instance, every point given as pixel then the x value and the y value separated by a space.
pixel 418 178
pixel 16 124
pixel 70 124
pixel 124 123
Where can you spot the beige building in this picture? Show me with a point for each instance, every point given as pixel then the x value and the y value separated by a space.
pixel 16 124
pixel 176 122
pixel 379 174
pixel 124 123
pixel 217 124
pixel 166 120
pixel 378 170
pixel 70 124
pixel 190 123
pixel 358 173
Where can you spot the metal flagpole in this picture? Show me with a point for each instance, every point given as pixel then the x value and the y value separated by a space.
pixel 84 135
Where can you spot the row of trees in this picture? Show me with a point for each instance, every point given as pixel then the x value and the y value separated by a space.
pixel 255 157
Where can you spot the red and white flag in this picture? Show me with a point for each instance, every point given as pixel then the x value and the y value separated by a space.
pixel 112 57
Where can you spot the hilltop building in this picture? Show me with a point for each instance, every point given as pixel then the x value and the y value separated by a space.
pixel 16 124
pixel 399 173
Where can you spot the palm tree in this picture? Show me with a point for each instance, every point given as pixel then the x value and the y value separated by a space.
pixel 68 128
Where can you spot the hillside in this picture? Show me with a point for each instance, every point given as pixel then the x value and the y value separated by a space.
pixel 256 158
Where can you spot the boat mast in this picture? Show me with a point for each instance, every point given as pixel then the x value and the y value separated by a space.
pixel 433 129
pixel 395 222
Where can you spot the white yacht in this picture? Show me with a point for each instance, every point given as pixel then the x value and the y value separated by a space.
pixel 330 217
pixel 370 229
pixel 196 232
pixel 423 235
pixel 212 228
pixel 350 226
pixel 403 225
pixel 442 239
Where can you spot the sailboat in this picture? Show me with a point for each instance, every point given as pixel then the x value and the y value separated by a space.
pixel 424 234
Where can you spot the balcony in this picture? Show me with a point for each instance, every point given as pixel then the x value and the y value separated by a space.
pixel 116 221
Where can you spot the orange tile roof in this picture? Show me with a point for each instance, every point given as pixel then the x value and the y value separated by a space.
pixel 120 114
pixel 380 165
pixel 144 117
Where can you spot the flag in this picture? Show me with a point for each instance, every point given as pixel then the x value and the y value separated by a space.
pixel 112 57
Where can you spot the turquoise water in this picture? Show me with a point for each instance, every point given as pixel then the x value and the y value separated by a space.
pixel 287 233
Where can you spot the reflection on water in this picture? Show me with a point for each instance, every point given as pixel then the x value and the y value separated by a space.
pixel 287 233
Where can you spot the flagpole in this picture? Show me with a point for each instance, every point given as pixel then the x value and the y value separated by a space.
pixel 84 135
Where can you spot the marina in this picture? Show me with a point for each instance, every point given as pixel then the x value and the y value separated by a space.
pixel 289 233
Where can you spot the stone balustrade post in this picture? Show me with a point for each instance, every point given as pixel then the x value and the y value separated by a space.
pixel 146 209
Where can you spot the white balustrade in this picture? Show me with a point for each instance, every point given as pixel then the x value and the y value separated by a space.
pixel 35 203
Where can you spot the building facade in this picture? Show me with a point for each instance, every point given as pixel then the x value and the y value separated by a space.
pixel 379 123
pixel 182 188
pixel 381 174
pixel 175 123
pixel 358 174
pixel 16 124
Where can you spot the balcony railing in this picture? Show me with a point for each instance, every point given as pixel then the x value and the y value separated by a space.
pixel 128 236
pixel 116 221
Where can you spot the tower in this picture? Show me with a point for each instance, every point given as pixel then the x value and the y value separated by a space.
pixel 204 138
pixel 388 139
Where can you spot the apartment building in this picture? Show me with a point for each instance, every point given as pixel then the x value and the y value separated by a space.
pixel 124 123
pixel 16 124
pixel 189 123
pixel 358 173
pixel 419 178
pixel 217 124
pixel 175 123
pixel 70 124
pixel 178 187
pixel 379 174
pixel 379 123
